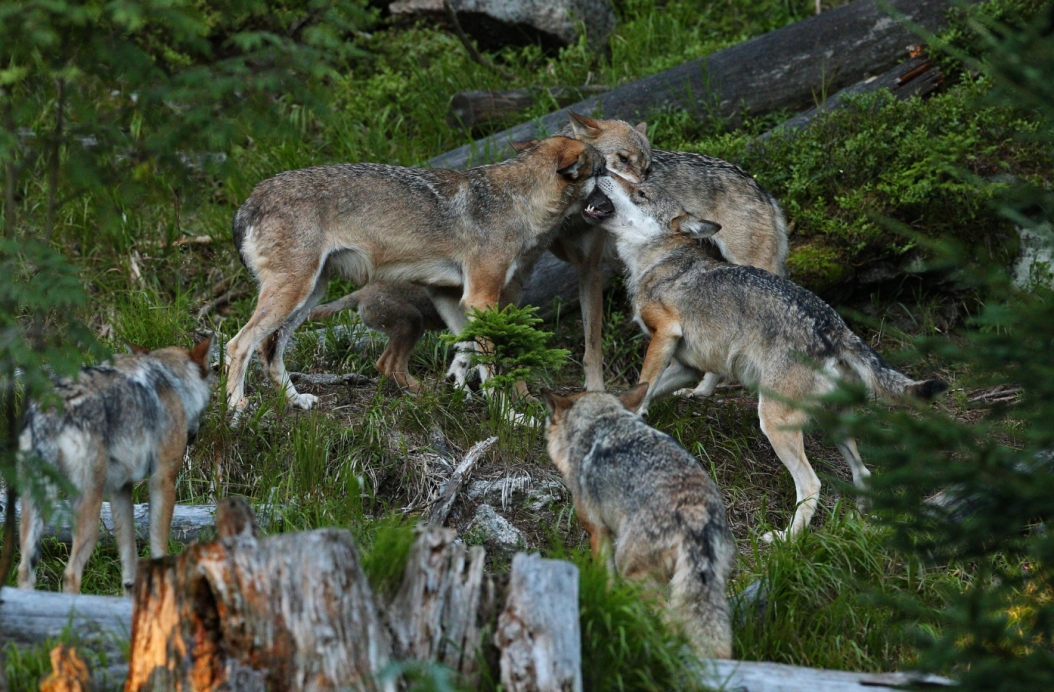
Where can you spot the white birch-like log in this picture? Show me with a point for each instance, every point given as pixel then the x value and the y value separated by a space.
pixel 448 494
pixel 538 632
pixel 762 676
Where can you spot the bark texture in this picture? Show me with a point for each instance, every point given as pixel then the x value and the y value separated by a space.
pixel 470 109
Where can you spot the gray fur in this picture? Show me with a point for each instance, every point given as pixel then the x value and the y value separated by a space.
pixel 663 512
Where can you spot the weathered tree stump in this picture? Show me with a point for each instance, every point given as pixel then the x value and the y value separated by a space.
pixel 446 605
pixel 538 633
pixel 287 612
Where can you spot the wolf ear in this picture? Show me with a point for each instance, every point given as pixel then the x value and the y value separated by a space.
pixel 555 403
pixel 693 226
pixel 642 128
pixel 634 397
pixel 523 146
pixel 583 126
pixel 138 350
pixel 573 157
pixel 200 354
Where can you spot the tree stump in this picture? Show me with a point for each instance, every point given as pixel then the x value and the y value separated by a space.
pixel 538 633
pixel 287 612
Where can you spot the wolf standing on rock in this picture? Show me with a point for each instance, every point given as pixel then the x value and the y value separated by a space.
pixel 473 229
pixel 115 424
pixel 708 316
pixel 649 507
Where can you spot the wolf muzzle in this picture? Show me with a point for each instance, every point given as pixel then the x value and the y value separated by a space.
pixel 598 207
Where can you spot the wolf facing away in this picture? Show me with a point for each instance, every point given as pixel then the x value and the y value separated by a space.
pixel 404 312
pixel 439 228
pixel 650 509
pixel 708 316
pixel 115 424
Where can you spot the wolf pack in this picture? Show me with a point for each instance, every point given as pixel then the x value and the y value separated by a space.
pixel 703 247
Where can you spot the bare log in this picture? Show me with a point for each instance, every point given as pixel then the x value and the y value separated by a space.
pixel 781 69
pixel 441 510
pixel 290 612
pixel 31 617
pixel 762 676
pixel 916 77
pixel 189 523
pixel 439 611
pixel 538 633
pixel 330 379
pixel 470 109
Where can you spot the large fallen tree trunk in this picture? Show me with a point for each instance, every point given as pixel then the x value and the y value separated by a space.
pixel 189 523
pixel 783 69
pixel 470 109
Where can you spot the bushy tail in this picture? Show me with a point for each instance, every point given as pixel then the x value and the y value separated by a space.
pixel 326 309
pixel 698 597
pixel 883 381
pixel 783 244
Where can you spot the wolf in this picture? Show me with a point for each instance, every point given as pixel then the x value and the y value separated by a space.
pixel 707 316
pixel 473 229
pixel 403 311
pixel 114 425
pixel 753 226
pixel 639 492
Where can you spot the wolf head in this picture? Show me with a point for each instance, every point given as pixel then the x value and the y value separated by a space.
pixel 577 164
pixel 569 415
pixel 625 148
pixel 192 376
pixel 641 212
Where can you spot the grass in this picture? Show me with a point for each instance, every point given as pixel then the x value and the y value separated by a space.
pixel 372 459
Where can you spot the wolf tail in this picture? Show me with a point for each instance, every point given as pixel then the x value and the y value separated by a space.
pixel 326 309
pixel 782 247
pixel 883 381
pixel 698 598
pixel 242 226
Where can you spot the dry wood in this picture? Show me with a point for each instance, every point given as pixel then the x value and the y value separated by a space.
pixel 31 617
pixel 785 68
pixel 69 673
pixel 441 509
pixel 189 523
pixel 538 632
pixel 290 612
pixel 470 109
pixel 329 379
pixel 916 77
pixel 762 676
pixel 436 614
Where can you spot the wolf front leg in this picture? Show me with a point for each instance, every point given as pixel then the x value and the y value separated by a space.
pixel 591 297
pixel 665 331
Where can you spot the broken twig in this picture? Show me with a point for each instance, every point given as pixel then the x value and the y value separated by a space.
pixel 441 509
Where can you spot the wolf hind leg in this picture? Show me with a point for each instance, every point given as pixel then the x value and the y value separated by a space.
pixel 280 297
pixel 124 527
pixel 781 422
pixel 86 510
pixel 272 350
pixel 31 529
pixel 860 473
pixel 674 377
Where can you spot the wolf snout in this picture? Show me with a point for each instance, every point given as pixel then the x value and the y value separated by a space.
pixel 598 205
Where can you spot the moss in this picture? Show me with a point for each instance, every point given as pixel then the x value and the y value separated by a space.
pixel 816 266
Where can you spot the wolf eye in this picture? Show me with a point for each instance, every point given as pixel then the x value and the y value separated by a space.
pixel 623 158
pixel 640 193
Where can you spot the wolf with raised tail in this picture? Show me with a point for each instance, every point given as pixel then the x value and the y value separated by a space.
pixel 650 509
pixel 707 316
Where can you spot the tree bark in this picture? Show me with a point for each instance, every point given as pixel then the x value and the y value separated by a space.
pixel 441 510
pixel 538 632
pixel 470 109
pixel 785 68
pixel 289 612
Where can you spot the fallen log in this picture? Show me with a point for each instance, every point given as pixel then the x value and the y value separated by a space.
pixel 470 109
pixel 782 69
pixel 762 676
pixel 189 523
pixel 102 623
pixel 916 77
pixel 441 510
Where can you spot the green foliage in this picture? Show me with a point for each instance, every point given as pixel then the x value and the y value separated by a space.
pixel 509 343
pixel 626 644
pixel 385 560
pixel 983 491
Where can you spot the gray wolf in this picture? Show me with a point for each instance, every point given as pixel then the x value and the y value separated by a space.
pixel 114 425
pixel 753 228
pixel 474 229
pixel 402 311
pixel 639 492
pixel 707 316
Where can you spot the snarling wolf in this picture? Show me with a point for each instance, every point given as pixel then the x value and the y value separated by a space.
pixel 650 509
pixel 114 425
pixel 473 229
pixel 707 316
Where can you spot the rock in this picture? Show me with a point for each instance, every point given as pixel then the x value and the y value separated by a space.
pixel 1034 266
pixel 495 530
pixel 495 24
pixel 518 489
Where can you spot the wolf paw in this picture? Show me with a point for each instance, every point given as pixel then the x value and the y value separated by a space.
pixel 773 536
pixel 459 369
pixel 304 401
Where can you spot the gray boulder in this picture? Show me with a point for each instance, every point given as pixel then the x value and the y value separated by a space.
pixel 495 24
